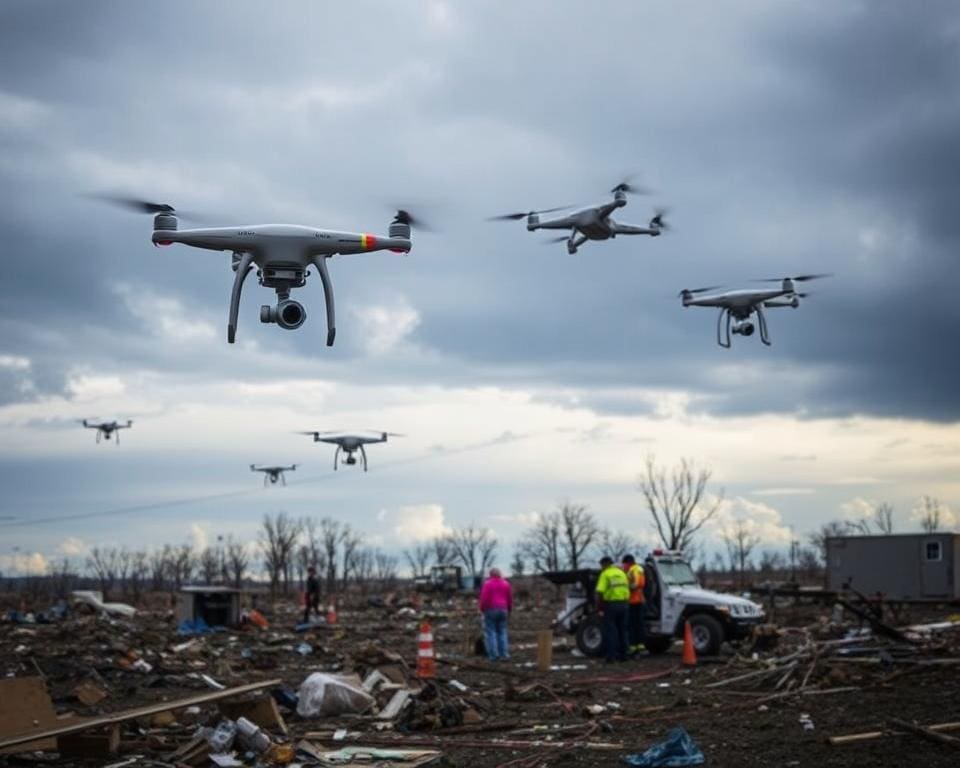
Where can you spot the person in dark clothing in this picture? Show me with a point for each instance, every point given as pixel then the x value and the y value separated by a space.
pixel 312 598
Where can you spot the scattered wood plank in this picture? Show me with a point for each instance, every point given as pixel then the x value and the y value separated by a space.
pixel 853 738
pixel 79 725
pixel 925 733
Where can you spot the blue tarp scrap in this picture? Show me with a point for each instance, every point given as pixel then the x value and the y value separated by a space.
pixel 675 751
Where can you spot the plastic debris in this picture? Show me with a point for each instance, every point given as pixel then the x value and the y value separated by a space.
pixel 221 738
pixel 806 721
pixel 252 736
pixel 678 749
pixel 322 694
pixel 95 600
pixel 304 649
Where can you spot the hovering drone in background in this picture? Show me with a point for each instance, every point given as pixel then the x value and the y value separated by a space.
pixel 350 444
pixel 738 306
pixel 281 253
pixel 273 474
pixel 107 428
pixel 593 222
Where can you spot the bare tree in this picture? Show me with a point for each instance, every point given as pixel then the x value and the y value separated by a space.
pixel 677 507
pixel 278 539
pixel 819 537
pixel 517 565
pixel 160 567
pixel 182 564
pixel 351 544
pixel 418 557
pixel 740 544
pixel 124 562
pixel 771 561
pixel 311 550
pixel 103 564
pixel 930 514
pixel 859 527
pixel 361 567
pixel 475 548
pixel 385 569
pixel 579 530
pixel 139 569
pixel 616 544
pixel 237 560
pixel 883 517
pixel 443 550
pixel 63 577
pixel 540 544
pixel 331 537
pixel 209 565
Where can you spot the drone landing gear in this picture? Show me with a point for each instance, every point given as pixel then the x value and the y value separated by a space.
pixel 743 327
pixel 575 242
pixel 762 322
pixel 364 454
pixel 723 343
pixel 321 262
pixel 242 267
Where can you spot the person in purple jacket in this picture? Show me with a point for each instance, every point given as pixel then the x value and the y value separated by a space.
pixel 496 602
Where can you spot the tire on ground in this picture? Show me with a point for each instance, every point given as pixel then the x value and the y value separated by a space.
pixel 707 634
pixel 590 636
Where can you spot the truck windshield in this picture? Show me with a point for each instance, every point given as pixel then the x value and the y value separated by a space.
pixel 676 573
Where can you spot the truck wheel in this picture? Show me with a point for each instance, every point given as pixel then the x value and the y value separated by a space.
pixel 590 636
pixel 707 634
pixel 658 644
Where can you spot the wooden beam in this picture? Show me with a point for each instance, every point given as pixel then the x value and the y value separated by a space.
pixel 78 726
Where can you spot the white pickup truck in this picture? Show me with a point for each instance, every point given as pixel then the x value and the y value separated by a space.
pixel 673 597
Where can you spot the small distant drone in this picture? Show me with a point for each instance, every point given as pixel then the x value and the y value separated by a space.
pixel 592 222
pixel 281 253
pixel 350 443
pixel 739 305
pixel 107 428
pixel 273 474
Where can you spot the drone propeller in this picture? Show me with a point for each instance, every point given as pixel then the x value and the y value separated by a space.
pixel 658 222
pixel 628 188
pixel 552 240
pixel 133 203
pixel 797 279
pixel 403 216
pixel 524 214
pixel 706 289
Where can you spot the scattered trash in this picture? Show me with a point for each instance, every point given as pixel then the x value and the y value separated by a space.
pixel 95 601
pixel 322 694
pixel 304 649
pixel 678 749
pixel 806 721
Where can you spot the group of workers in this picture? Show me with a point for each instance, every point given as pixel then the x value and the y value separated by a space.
pixel 620 602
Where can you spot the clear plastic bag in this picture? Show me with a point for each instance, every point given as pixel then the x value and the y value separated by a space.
pixel 322 694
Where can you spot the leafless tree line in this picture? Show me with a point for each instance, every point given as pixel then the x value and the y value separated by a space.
pixel 473 548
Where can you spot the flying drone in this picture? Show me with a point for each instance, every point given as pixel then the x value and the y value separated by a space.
pixel 350 444
pixel 593 222
pixel 739 305
pixel 273 474
pixel 281 254
pixel 107 428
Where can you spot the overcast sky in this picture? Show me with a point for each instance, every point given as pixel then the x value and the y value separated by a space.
pixel 784 138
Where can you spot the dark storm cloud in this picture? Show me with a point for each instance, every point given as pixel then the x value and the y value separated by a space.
pixel 778 134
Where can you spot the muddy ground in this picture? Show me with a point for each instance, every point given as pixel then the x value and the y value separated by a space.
pixel 748 724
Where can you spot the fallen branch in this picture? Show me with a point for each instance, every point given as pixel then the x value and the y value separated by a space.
pixel 853 738
pixel 925 733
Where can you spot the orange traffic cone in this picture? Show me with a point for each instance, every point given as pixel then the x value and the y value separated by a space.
pixel 332 613
pixel 426 664
pixel 689 654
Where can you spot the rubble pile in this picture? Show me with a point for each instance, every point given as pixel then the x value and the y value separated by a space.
pixel 92 683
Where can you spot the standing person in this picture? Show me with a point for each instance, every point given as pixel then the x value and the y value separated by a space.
pixel 496 602
pixel 636 582
pixel 312 598
pixel 613 593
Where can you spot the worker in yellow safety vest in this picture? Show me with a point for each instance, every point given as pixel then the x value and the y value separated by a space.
pixel 613 594
pixel 635 613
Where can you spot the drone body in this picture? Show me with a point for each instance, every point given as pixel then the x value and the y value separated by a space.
pixel 106 428
pixel 738 306
pixel 349 444
pixel 593 222
pixel 281 254
pixel 273 474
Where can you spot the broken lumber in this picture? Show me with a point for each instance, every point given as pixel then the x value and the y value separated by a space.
pixel 853 738
pixel 439 741
pixel 78 726
pixel 925 733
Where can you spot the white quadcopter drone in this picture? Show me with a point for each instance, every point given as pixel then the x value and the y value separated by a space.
pixel 273 474
pixel 281 253
pixel 592 222
pixel 739 305
pixel 107 428
pixel 350 443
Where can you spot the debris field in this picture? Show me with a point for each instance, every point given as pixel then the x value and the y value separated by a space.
pixel 822 687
